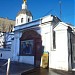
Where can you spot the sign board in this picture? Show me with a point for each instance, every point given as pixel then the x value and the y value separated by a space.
pixel 45 60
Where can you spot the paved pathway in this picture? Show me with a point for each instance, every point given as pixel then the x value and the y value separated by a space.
pixel 41 71
pixel 15 68
pixel 27 69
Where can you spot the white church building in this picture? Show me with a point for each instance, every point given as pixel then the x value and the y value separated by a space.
pixel 32 38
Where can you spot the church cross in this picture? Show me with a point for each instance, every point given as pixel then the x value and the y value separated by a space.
pixel 24 1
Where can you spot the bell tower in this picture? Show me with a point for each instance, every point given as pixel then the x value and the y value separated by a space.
pixel 24 15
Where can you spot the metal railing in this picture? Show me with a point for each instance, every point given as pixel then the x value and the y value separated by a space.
pixel 8 66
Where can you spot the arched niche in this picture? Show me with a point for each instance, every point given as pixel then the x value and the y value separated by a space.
pixel 30 43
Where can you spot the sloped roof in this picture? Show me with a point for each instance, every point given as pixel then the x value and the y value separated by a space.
pixel 24 11
pixel 62 25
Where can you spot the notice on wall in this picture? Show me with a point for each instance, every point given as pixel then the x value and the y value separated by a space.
pixel 45 60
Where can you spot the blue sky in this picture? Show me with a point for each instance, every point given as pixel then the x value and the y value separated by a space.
pixel 39 8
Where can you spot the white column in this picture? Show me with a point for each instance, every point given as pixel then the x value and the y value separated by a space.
pixel 16 46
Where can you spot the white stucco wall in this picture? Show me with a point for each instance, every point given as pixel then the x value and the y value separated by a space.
pixel 25 19
pixel 27 59
pixel 62 50
pixel 47 37
pixel 6 54
pixel 46 33
pixel 47 19
pixel 60 55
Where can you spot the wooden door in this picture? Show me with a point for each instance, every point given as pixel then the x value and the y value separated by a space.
pixel 38 52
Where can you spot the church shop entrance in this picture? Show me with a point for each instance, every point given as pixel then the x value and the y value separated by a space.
pixel 31 45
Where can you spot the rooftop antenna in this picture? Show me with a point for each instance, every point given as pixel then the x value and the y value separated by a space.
pixel 60 9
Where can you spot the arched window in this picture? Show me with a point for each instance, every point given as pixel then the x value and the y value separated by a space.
pixel 28 19
pixel 21 20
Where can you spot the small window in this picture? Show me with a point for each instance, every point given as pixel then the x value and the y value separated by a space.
pixel 28 19
pixel 21 20
pixel 54 40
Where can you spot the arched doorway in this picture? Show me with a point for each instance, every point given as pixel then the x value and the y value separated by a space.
pixel 31 45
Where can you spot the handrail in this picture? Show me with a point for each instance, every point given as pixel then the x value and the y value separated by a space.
pixel 8 66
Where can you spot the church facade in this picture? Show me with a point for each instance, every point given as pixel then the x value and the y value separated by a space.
pixel 47 34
